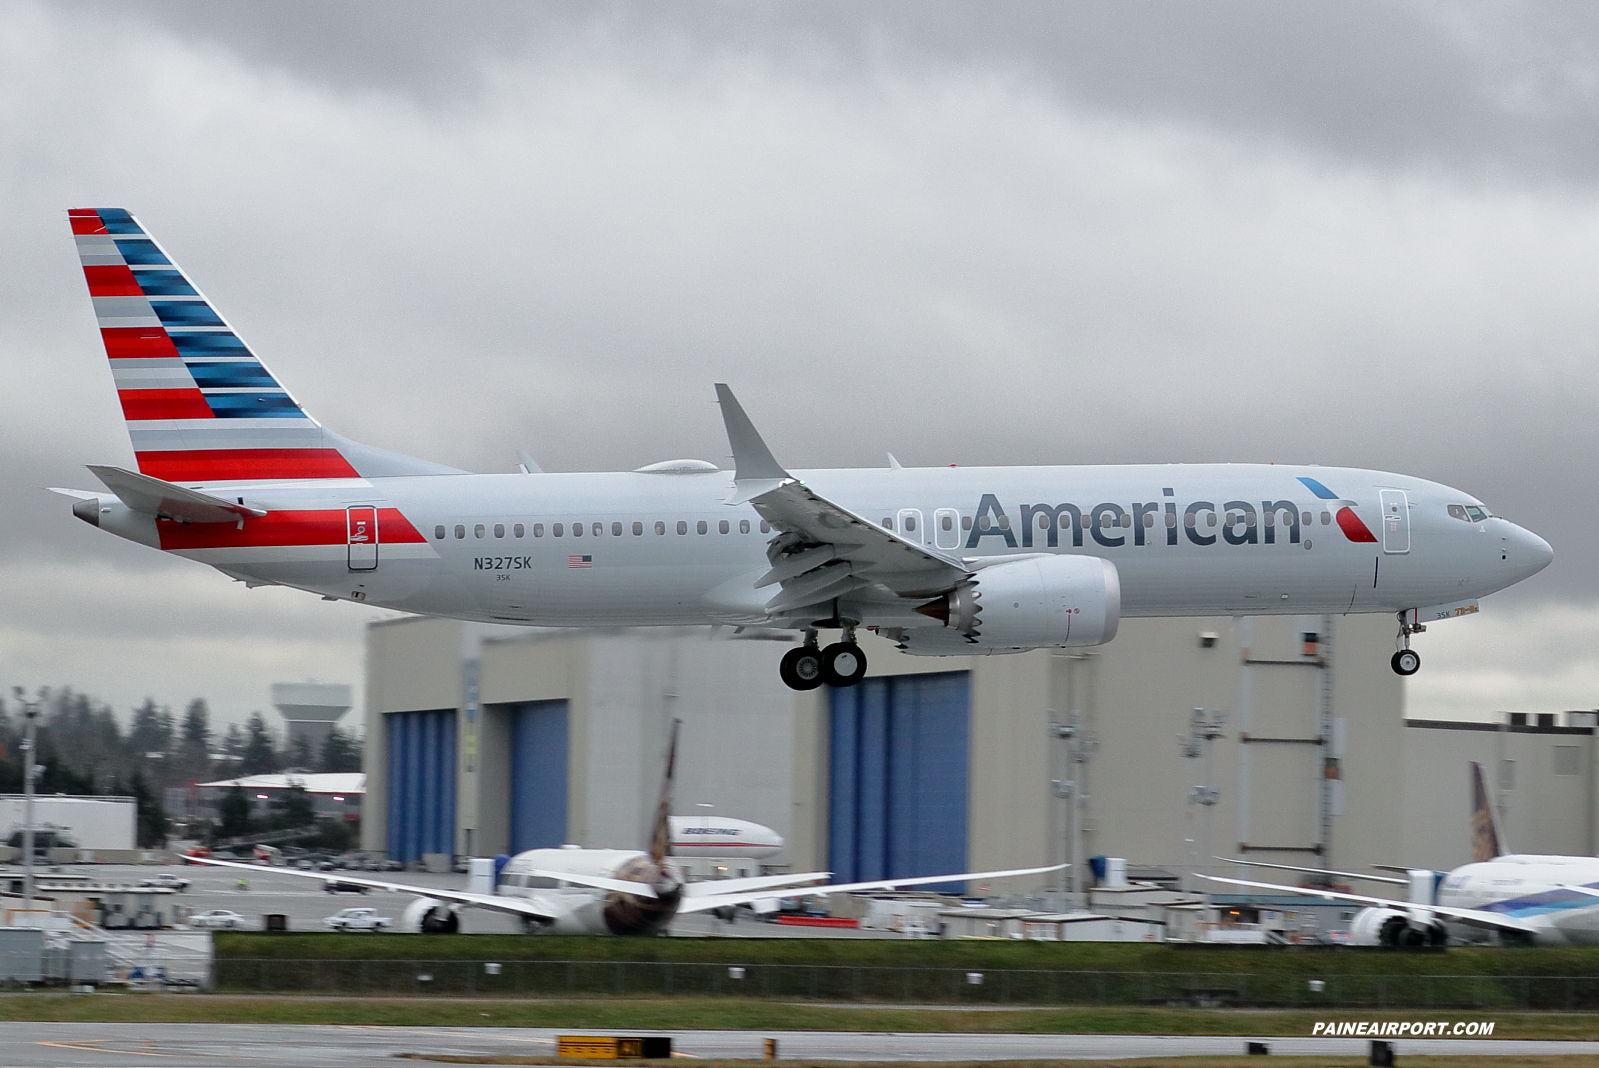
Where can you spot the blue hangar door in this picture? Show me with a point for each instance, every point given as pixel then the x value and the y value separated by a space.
pixel 899 777
pixel 421 783
pixel 538 775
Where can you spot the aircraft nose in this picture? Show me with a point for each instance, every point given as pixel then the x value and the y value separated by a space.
pixel 1526 551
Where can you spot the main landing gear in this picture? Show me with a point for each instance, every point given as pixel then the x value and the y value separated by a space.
pixel 840 664
pixel 1407 661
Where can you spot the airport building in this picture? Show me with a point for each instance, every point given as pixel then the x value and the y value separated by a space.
pixel 485 739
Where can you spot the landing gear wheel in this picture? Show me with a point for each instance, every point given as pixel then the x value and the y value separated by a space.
pixel 1406 662
pixel 801 669
pixel 843 664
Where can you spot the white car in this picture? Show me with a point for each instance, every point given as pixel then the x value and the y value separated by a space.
pixel 217 918
pixel 357 919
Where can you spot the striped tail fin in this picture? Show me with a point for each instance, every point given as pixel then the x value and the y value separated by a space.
pixel 1484 838
pixel 200 406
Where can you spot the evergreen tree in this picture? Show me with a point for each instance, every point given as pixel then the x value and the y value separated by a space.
pixel 194 743
pixel 295 808
pixel 152 819
pixel 300 754
pixel 258 756
pixel 233 741
pixel 341 752
pixel 233 811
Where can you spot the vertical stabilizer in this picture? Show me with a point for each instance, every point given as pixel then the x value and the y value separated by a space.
pixel 661 835
pixel 199 405
pixel 1484 838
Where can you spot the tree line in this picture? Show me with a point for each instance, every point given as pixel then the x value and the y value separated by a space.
pixel 85 749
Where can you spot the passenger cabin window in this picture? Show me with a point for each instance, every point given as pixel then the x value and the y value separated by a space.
pixel 438 531
pixel 519 530
pixel 460 531
pixel 660 527
pixel 477 531
pixel 599 528
pixel 577 530
pixel 766 528
pixel 616 530
pixel 701 526
pixel 682 526
pixel 722 527
pixel 743 526
pixel 538 530
pixel 888 524
pixel 966 522
pixel 946 522
pixel 1326 517
pixel 499 530
pixel 638 529
pixel 910 523
pixel 558 529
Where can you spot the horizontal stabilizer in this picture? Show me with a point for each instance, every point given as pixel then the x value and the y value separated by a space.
pixel 164 500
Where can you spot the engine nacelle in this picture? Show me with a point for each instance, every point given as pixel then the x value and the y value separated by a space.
pixel 428 916
pixel 1041 601
pixel 1393 927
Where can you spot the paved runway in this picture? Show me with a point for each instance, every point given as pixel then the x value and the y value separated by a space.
pixel 49 1045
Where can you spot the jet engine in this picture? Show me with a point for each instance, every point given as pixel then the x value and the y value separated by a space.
pixel 1017 603
pixel 1394 927
pixel 428 916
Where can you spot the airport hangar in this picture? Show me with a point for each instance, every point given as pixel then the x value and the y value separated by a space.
pixel 484 739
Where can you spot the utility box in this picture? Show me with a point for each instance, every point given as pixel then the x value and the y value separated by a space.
pixel 275 923
pixel 21 954
pixel 87 964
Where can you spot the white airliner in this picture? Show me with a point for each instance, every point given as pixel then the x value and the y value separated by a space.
pixel 234 473
pixel 719 836
pixel 1523 899
pixel 612 891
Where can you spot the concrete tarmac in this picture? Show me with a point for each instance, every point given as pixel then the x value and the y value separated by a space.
pixel 98 1045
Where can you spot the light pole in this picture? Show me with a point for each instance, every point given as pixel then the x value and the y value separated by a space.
pixel 30 716
pixel 1079 751
pixel 1203 729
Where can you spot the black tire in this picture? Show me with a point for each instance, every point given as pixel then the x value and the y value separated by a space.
pixel 801 669
pixel 1406 662
pixel 843 664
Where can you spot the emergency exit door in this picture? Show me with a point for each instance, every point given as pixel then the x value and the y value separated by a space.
pixel 361 527
pixel 1395 521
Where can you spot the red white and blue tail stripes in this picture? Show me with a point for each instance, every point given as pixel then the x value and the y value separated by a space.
pixel 200 406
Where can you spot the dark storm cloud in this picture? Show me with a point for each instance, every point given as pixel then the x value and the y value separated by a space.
pixel 1500 91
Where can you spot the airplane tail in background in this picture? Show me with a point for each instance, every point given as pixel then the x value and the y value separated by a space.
pixel 1484 838
pixel 200 406
pixel 661 832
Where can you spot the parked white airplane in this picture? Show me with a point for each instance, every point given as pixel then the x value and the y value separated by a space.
pixel 719 836
pixel 233 472
pixel 611 891
pixel 1520 898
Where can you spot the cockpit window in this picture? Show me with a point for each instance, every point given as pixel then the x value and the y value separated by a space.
pixel 1469 513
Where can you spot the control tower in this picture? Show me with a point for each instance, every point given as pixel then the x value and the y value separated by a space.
pixel 310 709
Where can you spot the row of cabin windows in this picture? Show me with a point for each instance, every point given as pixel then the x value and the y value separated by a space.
pixel 559 530
pixel 946 522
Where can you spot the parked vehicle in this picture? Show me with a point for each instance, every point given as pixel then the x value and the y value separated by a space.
pixel 217 918
pixel 168 881
pixel 336 886
pixel 358 919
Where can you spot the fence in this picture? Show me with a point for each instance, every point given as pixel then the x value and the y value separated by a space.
pixel 536 978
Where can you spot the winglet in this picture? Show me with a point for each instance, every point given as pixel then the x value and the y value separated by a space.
pixel 527 464
pixel 755 469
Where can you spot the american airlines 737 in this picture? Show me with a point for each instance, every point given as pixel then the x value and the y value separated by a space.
pixel 233 472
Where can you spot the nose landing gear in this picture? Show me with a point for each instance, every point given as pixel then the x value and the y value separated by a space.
pixel 840 664
pixel 1407 661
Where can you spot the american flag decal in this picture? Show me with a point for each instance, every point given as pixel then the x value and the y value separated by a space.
pixel 580 561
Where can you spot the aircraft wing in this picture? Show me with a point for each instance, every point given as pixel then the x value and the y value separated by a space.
pixel 824 550
pixel 520 906
pixel 758 882
pixel 716 901
pixel 1318 871
pixel 1475 917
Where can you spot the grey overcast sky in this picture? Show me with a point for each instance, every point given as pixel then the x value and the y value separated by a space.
pixel 1353 233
